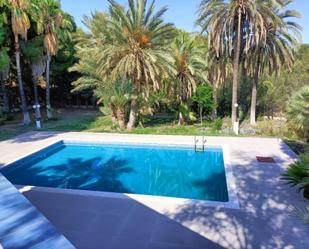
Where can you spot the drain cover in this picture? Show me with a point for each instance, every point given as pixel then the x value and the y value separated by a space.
pixel 263 159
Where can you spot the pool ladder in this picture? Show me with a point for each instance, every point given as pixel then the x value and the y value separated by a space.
pixel 201 147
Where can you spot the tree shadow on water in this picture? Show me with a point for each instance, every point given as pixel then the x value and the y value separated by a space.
pixel 92 174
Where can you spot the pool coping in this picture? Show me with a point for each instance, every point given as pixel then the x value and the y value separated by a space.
pixel 149 200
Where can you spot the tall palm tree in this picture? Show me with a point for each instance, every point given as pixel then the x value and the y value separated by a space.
pixel 33 51
pixel 20 24
pixel 55 25
pixel 230 25
pixel 4 62
pixel 108 92
pixel 190 68
pixel 136 47
pixel 114 94
pixel 218 71
pixel 276 50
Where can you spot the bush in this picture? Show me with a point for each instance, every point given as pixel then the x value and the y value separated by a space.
pixel 298 174
pixel 2 118
pixel 217 124
pixel 272 127
pixel 9 117
pixel 298 113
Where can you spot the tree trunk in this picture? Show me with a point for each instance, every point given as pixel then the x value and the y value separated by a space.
pixel 121 118
pixel 215 98
pixel 36 97
pixel 134 108
pixel 201 114
pixel 253 103
pixel 24 105
pixel 113 114
pixel 49 113
pixel 6 106
pixel 181 119
pixel 236 69
pixel 254 94
pixel 133 114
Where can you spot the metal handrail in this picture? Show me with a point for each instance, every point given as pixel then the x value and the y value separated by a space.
pixel 196 140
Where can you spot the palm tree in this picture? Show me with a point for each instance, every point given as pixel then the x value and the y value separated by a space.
pixel 55 25
pixel 33 51
pixel 114 94
pixel 298 113
pixel 276 50
pixel 4 63
pixel 297 175
pixel 218 71
pixel 118 98
pixel 20 24
pixel 4 75
pixel 136 47
pixel 190 68
pixel 230 25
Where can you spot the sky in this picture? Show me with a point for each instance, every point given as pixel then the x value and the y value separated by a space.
pixel 181 12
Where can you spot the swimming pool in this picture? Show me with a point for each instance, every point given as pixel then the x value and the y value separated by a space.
pixel 138 169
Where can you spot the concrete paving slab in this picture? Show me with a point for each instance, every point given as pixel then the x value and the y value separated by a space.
pixel 22 225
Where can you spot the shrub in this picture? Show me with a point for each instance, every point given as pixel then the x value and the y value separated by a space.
pixel 298 174
pixel 217 124
pixel 2 118
pixel 270 127
pixel 298 113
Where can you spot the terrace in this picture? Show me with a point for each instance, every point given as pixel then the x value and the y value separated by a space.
pixel 100 220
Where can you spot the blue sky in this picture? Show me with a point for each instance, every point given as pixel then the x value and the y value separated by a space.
pixel 181 12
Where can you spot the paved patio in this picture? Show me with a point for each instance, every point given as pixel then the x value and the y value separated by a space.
pixel 95 221
pixel 22 225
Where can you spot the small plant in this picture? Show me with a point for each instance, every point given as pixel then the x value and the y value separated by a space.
pixel 297 174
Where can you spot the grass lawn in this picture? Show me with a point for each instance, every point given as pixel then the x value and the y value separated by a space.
pixel 94 121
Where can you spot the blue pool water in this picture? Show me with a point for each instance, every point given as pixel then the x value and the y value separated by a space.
pixel 163 171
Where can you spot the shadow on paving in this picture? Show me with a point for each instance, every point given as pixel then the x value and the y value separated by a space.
pixel 33 136
pixel 264 219
pixel 22 226
pixel 96 222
